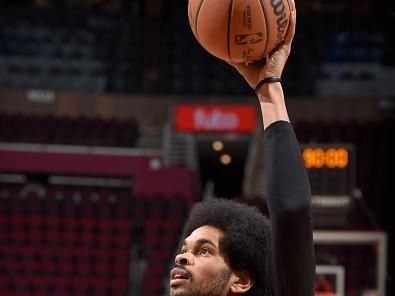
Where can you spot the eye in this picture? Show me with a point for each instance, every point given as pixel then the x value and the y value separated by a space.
pixel 204 251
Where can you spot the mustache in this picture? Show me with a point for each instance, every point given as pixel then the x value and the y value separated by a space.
pixel 182 266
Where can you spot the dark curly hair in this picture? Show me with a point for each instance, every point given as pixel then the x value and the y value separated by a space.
pixel 245 239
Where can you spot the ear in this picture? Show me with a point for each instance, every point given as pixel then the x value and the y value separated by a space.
pixel 242 281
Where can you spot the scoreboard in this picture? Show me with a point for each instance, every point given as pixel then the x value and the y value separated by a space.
pixel 330 167
pixel 331 171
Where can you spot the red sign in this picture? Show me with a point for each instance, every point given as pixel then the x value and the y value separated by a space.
pixel 215 118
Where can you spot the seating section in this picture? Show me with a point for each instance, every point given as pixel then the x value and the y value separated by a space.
pixel 71 240
pixel 69 131
pixel 66 242
pixel 162 230
pixel 75 240
pixel 72 50
pixel 76 49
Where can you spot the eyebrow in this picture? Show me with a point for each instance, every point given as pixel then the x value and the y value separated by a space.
pixel 203 241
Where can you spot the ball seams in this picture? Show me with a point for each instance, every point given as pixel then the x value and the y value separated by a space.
pixel 267 26
pixel 230 13
pixel 196 19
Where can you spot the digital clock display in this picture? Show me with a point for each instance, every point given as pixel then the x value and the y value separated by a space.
pixel 330 168
pixel 331 158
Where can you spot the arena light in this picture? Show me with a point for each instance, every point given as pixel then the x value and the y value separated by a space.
pixel 226 159
pixel 217 146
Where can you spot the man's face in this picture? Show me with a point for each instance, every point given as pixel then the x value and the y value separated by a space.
pixel 201 268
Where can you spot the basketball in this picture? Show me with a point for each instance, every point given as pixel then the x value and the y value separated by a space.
pixel 239 30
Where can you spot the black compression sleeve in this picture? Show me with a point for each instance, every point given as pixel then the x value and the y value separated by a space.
pixel 287 191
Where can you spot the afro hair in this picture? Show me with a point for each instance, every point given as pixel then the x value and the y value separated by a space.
pixel 245 240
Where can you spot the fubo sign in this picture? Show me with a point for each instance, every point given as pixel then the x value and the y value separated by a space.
pixel 215 118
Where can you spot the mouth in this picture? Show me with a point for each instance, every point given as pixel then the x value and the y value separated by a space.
pixel 178 277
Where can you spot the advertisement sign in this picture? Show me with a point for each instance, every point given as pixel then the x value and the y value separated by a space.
pixel 215 118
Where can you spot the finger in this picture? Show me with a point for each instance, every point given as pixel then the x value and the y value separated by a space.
pixel 291 28
pixel 292 5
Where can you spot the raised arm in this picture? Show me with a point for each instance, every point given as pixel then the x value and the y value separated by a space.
pixel 287 190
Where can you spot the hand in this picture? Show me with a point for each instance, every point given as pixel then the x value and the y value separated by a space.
pixel 274 63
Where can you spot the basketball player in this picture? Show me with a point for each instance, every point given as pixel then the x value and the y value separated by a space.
pixel 229 248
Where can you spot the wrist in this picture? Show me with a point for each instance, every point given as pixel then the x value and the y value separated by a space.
pixel 265 81
pixel 270 92
pixel 272 103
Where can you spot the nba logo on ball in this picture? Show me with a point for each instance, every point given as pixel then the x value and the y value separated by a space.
pixel 243 39
pixel 239 30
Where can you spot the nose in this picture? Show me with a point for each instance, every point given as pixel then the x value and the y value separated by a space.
pixel 184 259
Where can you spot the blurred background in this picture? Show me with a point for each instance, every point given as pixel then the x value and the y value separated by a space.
pixel 114 121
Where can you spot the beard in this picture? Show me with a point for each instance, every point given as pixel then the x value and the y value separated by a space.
pixel 212 287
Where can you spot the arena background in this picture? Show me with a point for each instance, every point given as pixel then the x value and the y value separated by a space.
pixel 114 121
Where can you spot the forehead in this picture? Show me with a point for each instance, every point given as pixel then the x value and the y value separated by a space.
pixel 205 232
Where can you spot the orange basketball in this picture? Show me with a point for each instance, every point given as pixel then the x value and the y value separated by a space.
pixel 239 30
